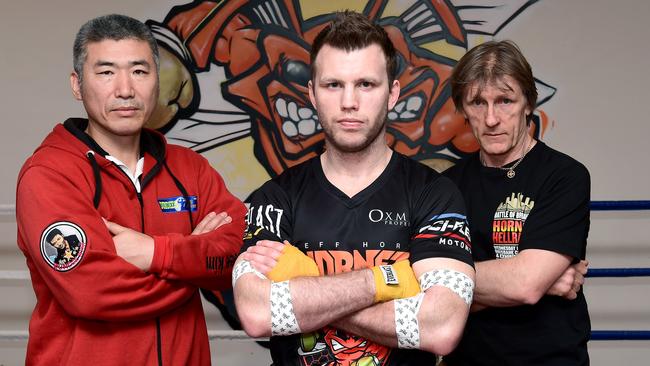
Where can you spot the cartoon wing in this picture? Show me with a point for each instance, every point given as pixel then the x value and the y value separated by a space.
pixel 488 17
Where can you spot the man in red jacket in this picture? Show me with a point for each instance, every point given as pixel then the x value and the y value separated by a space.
pixel 152 222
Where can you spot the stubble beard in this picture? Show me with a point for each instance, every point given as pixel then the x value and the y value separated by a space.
pixel 370 137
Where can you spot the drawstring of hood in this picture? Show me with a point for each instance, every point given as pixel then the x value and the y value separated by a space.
pixel 188 202
pixel 98 178
pixel 150 142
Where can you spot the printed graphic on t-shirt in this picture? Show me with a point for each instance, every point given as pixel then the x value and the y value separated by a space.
pixel 508 224
pixel 267 217
pixel 339 261
pixel 333 347
pixel 63 245
pixel 449 229
pixel 386 217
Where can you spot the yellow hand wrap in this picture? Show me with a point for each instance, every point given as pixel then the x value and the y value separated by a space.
pixel 292 263
pixel 395 281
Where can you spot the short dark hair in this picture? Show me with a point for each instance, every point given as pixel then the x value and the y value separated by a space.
pixel 114 27
pixel 50 236
pixel 489 62
pixel 351 31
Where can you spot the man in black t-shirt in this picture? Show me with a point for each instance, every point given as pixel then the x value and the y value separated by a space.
pixel 360 256
pixel 528 210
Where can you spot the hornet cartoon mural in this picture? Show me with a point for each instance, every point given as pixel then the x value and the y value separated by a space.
pixel 261 51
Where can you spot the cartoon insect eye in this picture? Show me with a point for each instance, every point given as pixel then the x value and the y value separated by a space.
pixel 296 72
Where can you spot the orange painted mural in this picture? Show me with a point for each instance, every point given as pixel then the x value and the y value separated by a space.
pixel 234 79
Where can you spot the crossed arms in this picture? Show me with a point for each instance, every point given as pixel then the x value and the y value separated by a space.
pixel 347 301
pixel 525 278
pixel 110 282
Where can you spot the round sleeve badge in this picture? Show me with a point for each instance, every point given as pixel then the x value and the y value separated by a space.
pixel 63 244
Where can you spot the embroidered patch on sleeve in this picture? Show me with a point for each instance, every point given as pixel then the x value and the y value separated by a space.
pixel 178 204
pixel 63 245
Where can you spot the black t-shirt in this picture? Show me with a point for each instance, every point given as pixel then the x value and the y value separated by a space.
pixel 409 211
pixel 545 206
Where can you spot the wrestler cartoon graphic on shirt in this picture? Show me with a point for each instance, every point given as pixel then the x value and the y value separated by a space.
pixel 333 348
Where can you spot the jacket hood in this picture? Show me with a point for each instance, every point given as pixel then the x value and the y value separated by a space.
pixel 151 142
pixel 72 138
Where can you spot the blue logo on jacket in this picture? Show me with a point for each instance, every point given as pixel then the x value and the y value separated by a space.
pixel 177 204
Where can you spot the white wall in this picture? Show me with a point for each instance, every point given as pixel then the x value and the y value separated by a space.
pixel 594 51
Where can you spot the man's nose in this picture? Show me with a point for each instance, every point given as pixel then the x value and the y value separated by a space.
pixel 491 116
pixel 349 99
pixel 124 86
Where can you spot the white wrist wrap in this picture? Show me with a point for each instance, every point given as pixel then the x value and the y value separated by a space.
pixel 406 321
pixel 241 268
pixel 458 282
pixel 283 319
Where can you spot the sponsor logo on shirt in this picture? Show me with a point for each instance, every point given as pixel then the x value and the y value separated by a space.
pixel 388 217
pixel 449 229
pixel 266 216
pixel 508 224
pixel 63 245
pixel 177 204
pixel 339 261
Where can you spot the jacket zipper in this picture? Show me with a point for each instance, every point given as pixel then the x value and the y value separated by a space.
pixel 158 332
pixel 159 341
pixel 93 145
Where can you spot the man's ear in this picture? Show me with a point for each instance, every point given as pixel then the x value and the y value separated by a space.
pixel 393 94
pixel 75 84
pixel 312 97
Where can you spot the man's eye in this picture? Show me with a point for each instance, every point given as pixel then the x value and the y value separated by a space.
pixel 506 101
pixel 105 72
pixel 366 84
pixel 333 85
pixel 140 72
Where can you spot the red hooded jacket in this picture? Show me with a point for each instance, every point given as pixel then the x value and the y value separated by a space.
pixel 93 307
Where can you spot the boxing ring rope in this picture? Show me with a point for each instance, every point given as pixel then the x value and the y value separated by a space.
pixel 237 335
pixel 7 210
pixel 619 205
pixel 619 335
pixel 596 335
pixel 618 272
